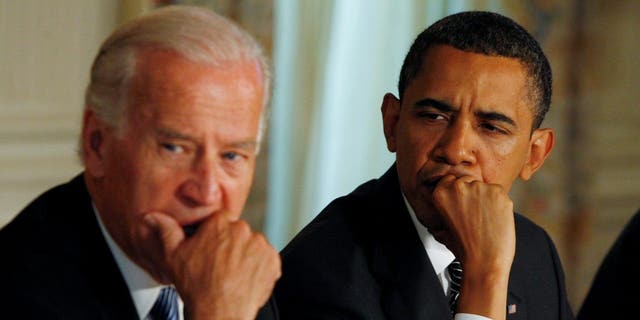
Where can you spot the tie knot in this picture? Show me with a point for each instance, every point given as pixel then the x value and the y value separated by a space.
pixel 455 271
pixel 166 306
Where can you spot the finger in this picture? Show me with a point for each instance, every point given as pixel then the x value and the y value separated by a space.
pixel 467 179
pixel 448 179
pixel 167 229
pixel 270 264
pixel 216 222
pixel 445 183
pixel 228 216
pixel 240 229
pixel 223 217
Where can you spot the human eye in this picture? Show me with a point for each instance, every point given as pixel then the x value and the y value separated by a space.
pixel 432 115
pixel 491 128
pixel 172 147
pixel 235 156
pixel 235 162
pixel 230 155
pixel 435 116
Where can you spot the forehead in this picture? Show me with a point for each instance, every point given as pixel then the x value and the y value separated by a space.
pixel 165 81
pixel 460 77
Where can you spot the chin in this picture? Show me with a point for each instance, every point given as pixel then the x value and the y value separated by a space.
pixel 441 236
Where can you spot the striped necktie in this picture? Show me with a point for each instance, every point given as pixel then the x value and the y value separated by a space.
pixel 455 275
pixel 166 306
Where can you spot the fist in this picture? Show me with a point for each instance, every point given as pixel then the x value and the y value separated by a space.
pixel 224 271
pixel 480 227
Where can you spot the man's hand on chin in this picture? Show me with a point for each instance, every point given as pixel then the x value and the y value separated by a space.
pixel 481 233
pixel 223 271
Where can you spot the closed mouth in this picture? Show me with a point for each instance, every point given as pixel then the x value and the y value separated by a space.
pixel 432 182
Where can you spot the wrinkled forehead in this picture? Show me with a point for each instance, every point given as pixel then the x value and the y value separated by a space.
pixel 507 75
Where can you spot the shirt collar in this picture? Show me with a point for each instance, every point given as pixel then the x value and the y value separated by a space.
pixel 143 288
pixel 439 255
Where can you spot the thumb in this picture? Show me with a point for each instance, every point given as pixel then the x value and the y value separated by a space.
pixel 168 231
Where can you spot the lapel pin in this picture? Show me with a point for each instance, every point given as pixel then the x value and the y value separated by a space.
pixel 511 309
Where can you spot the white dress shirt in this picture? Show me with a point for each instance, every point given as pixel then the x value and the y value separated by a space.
pixel 143 288
pixel 440 257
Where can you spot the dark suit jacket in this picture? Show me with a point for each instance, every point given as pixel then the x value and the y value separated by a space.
pixel 56 264
pixel 615 292
pixel 361 258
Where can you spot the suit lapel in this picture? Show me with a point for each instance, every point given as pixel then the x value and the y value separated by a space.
pixel 516 307
pixel 108 292
pixel 409 285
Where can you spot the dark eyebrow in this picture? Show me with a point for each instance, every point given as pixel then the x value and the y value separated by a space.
pixel 428 102
pixel 485 115
pixel 495 116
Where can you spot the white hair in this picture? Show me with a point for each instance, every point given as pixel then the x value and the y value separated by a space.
pixel 195 33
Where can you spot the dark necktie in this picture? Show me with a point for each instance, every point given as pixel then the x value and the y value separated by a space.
pixel 455 275
pixel 166 306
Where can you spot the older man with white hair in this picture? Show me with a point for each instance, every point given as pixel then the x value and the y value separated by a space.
pixel 173 116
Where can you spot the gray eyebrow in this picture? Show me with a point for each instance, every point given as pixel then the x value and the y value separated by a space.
pixel 172 134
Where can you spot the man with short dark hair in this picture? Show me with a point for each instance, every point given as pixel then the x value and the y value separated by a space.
pixel 150 230
pixel 436 236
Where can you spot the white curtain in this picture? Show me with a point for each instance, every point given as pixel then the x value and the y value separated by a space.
pixel 334 61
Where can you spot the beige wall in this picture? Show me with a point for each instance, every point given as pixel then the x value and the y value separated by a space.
pixel 45 56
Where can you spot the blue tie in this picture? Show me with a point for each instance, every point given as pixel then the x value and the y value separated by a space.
pixel 166 306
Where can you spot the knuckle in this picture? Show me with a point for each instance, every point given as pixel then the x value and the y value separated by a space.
pixel 510 204
pixel 438 194
pixel 460 184
pixel 278 273
pixel 494 189
pixel 276 264
pixel 217 220
pixel 241 228
pixel 259 239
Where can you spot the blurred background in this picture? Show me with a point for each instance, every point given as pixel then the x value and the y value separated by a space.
pixel 333 61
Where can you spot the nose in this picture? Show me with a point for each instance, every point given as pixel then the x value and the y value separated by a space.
pixel 203 186
pixel 456 145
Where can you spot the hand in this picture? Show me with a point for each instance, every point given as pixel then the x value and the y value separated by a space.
pixel 479 219
pixel 481 233
pixel 223 271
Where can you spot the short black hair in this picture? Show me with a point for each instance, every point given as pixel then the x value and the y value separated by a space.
pixel 490 34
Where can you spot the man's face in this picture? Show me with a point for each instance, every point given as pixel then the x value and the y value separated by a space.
pixel 465 114
pixel 187 150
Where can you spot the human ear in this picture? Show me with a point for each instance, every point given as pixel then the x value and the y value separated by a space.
pixel 542 141
pixel 390 115
pixel 93 133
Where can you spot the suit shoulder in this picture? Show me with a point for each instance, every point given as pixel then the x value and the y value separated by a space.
pixel 629 239
pixel 537 258
pixel 41 215
pixel 337 228
pixel 529 230
pixel 324 268
pixel 535 249
pixel 38 236
pixel 534 246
